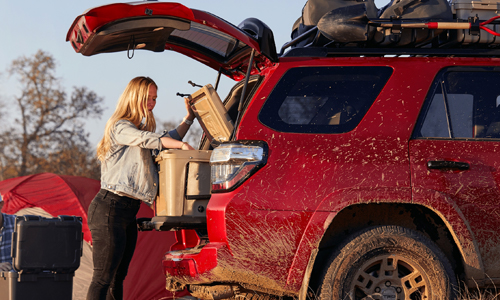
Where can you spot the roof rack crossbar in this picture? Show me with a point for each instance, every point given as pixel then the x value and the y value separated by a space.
pixel 298 39
pixel 356 51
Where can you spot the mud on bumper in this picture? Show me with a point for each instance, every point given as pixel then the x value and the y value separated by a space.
pixel 193 266
pixel 211 272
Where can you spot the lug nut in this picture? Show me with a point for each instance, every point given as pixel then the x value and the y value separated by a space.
pixel 387 283
pixel 201 209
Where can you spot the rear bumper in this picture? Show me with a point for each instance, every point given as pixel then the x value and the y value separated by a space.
pixel 215 266
pixel 195 266
pixel 221 263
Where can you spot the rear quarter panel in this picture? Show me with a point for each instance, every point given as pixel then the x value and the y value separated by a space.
pixel 275 220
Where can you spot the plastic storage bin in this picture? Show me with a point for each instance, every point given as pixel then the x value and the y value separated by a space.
pixel 211 114
pixel 484 9
pixel 184 188
pixel 36 286
pixel 48 244
pixel 45 254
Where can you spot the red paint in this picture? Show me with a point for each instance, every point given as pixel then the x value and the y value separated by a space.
pixel 88 25
pixel 281 210
pixel 185 239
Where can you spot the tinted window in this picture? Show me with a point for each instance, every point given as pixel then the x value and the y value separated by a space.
pixel 323 99
pixel 207 40
pixel 463 103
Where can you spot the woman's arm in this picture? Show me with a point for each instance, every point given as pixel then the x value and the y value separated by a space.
pixel 183 128
pixel 128 134
pixel 171 143
pixel 125 133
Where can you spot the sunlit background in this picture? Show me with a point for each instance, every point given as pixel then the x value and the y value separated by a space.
pixel 27 26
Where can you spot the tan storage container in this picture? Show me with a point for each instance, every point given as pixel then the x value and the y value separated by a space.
pixel 184 183
pixel 211 114
pixel 484 9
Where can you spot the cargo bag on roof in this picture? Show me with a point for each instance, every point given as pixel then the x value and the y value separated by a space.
pixel 428 10
pixel 350 21
pixel 314 10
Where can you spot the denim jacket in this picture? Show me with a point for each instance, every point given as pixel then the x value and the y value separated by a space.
pixel 129 167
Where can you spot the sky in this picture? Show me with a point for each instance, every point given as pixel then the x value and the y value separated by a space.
pixel 31 25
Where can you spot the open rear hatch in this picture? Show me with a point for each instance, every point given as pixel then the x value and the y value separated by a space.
pixel 159 26
pixel 184 189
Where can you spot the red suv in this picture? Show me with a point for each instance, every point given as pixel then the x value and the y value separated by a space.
pixel 351 172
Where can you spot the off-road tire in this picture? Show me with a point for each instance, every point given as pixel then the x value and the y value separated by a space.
pixel 387 262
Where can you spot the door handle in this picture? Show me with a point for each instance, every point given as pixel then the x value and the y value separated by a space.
pixel 447 164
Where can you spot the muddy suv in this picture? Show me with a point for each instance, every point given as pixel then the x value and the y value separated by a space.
pixel 369 173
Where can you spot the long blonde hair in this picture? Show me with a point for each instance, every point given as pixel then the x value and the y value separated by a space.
pixel 132 106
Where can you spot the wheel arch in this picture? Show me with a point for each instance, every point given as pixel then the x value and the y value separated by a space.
pixel 413 216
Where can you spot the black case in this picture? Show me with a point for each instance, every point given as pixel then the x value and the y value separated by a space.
pixel 45 253
pixel 36 286
pixel 43 244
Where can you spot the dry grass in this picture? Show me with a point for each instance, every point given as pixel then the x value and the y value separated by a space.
pixel 479 294
pixel 463 294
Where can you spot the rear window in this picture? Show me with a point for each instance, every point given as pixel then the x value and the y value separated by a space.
pixel 323 99
pixel 463 103
pixel 207 40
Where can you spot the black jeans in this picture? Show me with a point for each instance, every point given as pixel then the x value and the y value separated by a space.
pixel 112 222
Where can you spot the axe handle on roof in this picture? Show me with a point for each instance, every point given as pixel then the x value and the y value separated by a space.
pixel 436 25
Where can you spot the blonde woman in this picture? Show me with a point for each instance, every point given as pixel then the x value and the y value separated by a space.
pixel 128 176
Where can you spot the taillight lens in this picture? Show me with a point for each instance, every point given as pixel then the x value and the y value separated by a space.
pixel 233 163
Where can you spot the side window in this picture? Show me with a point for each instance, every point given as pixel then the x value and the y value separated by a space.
pixel 323 99
pixel 463 103
pixel 460 109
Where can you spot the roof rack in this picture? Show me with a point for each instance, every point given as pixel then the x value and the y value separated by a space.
pixel 359 51
pixel 397 37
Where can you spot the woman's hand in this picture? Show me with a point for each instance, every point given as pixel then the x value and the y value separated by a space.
pixel 190 116
pixel 183 127
pixel 186 146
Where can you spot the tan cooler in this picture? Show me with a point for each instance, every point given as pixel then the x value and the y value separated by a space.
pixel 184 188
pixel 211 114
pixel 484 9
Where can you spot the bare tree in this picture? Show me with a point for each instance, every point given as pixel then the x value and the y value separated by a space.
pixel 48 135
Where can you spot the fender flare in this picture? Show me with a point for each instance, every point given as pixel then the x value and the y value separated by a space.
pixel 321 220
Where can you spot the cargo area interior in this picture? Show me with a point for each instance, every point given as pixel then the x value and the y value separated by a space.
pixel 184 190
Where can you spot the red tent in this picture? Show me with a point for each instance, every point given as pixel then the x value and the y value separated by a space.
pixel 55 195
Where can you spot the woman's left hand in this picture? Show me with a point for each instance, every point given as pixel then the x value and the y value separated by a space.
pixel 189 109
pixel 186 146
